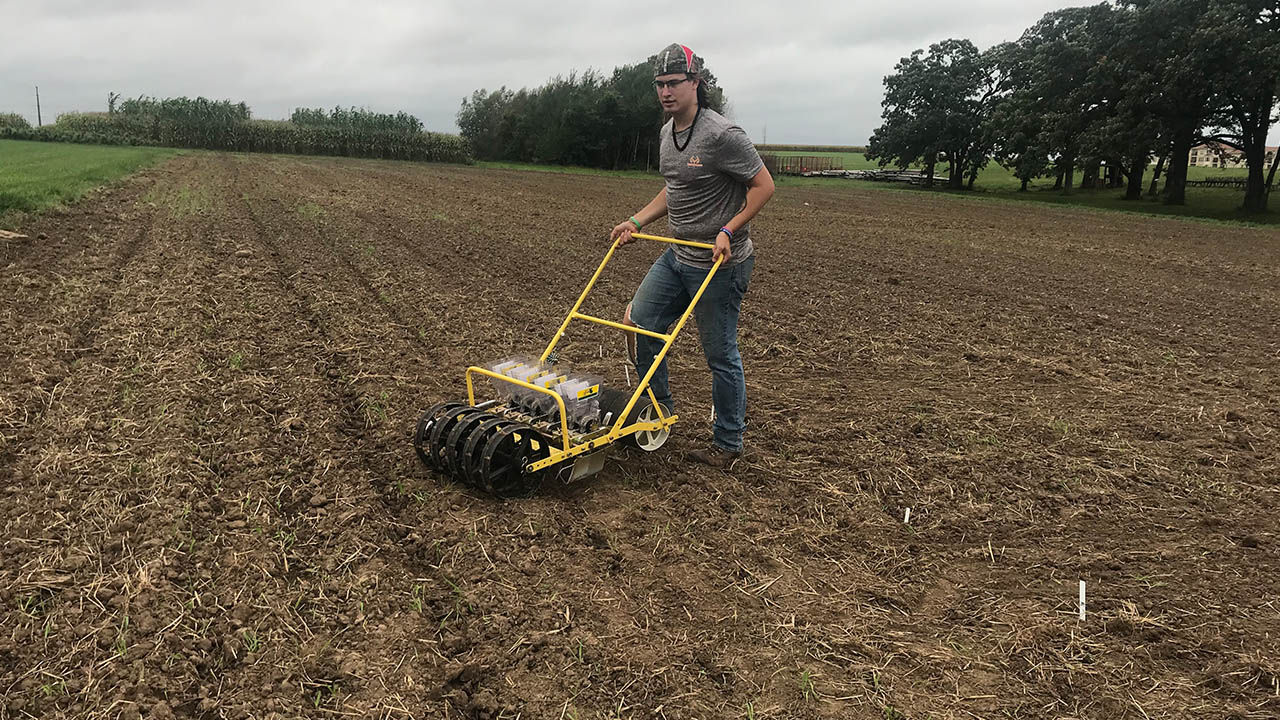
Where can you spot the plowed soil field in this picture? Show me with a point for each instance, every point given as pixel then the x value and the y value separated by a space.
pixel 211 507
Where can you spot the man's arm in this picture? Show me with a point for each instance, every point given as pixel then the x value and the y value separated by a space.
pixel 759 190
pixel 656 208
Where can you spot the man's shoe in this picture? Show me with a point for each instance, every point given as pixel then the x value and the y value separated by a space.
pixel 716 457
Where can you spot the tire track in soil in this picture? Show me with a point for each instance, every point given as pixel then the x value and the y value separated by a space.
pixel 494 254
pixel 336 363
pixel 385 470
pixel 279 451
pixel 307 187
pixel 211 430
pixel 385 474
pixel 219 526
pixel 339 364
pixel 162 348
pixel 421 260
pixel 352 434
pixel 81 343
pixel 48 371
pixel 117 208
pixel 363 281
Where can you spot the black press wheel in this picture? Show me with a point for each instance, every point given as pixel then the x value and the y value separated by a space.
pixel 422 434
pixel 457 442
pixel 439 448
pixel 506 456
pixel 473 449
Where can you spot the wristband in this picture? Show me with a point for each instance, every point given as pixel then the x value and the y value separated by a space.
pixel 727 231
pixel 634 220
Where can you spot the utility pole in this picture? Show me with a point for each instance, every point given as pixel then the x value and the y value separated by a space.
pixel 765 140
pixel 39 121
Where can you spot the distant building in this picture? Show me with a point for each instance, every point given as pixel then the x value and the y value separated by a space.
pixel 1220 156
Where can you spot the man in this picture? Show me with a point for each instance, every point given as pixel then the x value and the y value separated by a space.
pixel 715 184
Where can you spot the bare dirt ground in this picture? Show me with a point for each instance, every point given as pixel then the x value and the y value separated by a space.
pixel 211 507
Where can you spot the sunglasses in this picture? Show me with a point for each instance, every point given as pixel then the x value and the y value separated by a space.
pixel 669 84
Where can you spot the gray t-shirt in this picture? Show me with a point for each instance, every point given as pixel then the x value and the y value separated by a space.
pixel 707 184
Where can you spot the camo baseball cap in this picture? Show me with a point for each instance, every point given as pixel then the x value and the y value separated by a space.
pixel 676 58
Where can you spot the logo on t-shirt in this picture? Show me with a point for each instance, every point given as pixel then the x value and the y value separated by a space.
pixel 695 161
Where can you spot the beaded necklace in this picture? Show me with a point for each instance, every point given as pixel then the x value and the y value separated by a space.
pixel 676 141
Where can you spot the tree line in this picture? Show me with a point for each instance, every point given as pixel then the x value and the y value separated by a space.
pixel 224 125
pixel 1100 91
pixel 588 119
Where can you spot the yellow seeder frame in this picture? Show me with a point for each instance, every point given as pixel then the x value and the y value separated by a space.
pixel 619 429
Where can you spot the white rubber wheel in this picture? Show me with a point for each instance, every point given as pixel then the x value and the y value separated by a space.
pixel 650 440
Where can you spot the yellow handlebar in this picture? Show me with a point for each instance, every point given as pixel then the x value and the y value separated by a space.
pixel 674 241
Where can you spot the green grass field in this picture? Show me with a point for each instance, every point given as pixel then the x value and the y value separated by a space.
pixel 994 177
pixel 997 183
pixel 1210 204
pixel 570 169
pixel 37 175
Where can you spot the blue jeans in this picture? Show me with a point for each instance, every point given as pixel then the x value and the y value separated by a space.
pixel 661 300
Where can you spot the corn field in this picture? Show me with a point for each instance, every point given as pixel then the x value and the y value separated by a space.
pixel 223 125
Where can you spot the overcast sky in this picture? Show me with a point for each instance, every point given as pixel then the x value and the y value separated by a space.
pixel 795 71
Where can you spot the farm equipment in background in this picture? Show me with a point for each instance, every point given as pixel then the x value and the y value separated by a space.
pixel 542 418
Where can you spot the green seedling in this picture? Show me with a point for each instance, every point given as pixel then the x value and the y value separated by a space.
pixel 54 689
pixel 311 211
pixel 323 694
pixel 375 408
pixel 806 686
pixel 31 605
pixel 122 643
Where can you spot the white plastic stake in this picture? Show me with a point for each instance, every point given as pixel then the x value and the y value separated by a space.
pixel 906 517
pixel 1081 601
pixel 627 368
